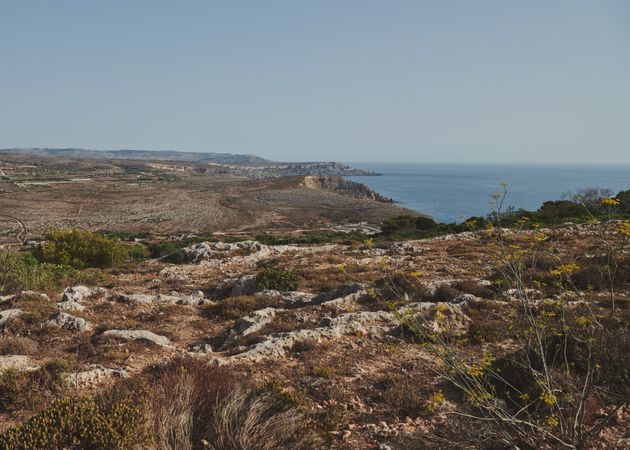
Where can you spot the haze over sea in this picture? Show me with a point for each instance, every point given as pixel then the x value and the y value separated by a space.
pixel 450 192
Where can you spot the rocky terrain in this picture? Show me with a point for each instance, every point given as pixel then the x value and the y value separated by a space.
pixel 37 193
pixel 334 343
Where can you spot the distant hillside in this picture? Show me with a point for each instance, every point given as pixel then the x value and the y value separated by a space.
pixel 165 155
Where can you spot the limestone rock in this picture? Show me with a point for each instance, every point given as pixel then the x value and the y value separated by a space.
pixel 70 322
pixel 93 376
pixel 466 298
pixel 80 293
pixel 251 323
pixel 8 314
pixel 232 287
pixel 136 335
pixel 17 362
pixel 341 291
pixel 69 305
pixel 212 250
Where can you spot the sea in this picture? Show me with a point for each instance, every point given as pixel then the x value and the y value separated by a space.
pixel 453 192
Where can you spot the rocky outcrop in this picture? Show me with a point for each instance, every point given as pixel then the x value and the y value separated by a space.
pixel 94 375
pixel 194 299
pixel 216 250
pixel 344 187
pixel 70 305
pixel 9 314
pixel 440 317
pixel 80 293
pixel 232 287
pixel 69 322
pixel 251 323
pixel 135 335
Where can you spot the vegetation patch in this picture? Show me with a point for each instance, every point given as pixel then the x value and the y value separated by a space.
pixel 277 279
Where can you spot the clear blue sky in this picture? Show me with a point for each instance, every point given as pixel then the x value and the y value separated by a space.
pixel 500 81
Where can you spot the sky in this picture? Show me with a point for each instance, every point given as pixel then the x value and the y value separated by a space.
pixel 402 81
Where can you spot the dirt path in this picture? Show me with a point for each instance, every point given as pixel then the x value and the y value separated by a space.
pixel 21 236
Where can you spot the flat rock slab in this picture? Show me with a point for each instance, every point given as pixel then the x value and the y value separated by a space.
pixel 136 335
pixel 16 362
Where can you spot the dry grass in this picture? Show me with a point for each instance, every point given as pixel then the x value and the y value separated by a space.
pixel 18 345
pixel 245 421
pixel 181 401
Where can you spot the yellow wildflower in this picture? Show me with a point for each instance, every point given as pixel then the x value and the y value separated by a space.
pixel 610 201
pixel 553 421
pixel 582 321
pixel 548 397
pixel 564 269
pixel 624 228
pixel 436 400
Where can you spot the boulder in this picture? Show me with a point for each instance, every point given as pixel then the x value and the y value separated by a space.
pixel 193 299
pixel 232 287
pixel 80 293
pixel 94 375
pixel 69 305
pixel 135 335
pixel 8 314
pixel 70 322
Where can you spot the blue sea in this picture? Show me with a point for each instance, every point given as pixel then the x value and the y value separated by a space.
pixel 451 192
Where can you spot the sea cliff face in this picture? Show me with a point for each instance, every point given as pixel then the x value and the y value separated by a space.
pixel 345 187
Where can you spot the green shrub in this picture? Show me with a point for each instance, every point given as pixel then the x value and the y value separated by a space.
pixel 22 390
pixel 92 423
pixel 81 249
pixel 19 272
pixel 276 279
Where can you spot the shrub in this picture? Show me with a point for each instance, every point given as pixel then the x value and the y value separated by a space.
pixel 20 390
pixel 18 273
pixel 276 279
pixel 81 249
pixel 92 423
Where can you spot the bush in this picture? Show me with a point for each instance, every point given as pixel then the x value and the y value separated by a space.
pixel 92 423
pixel 21 390
pixel 81 249
pixel 18 273
pixel 276 279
